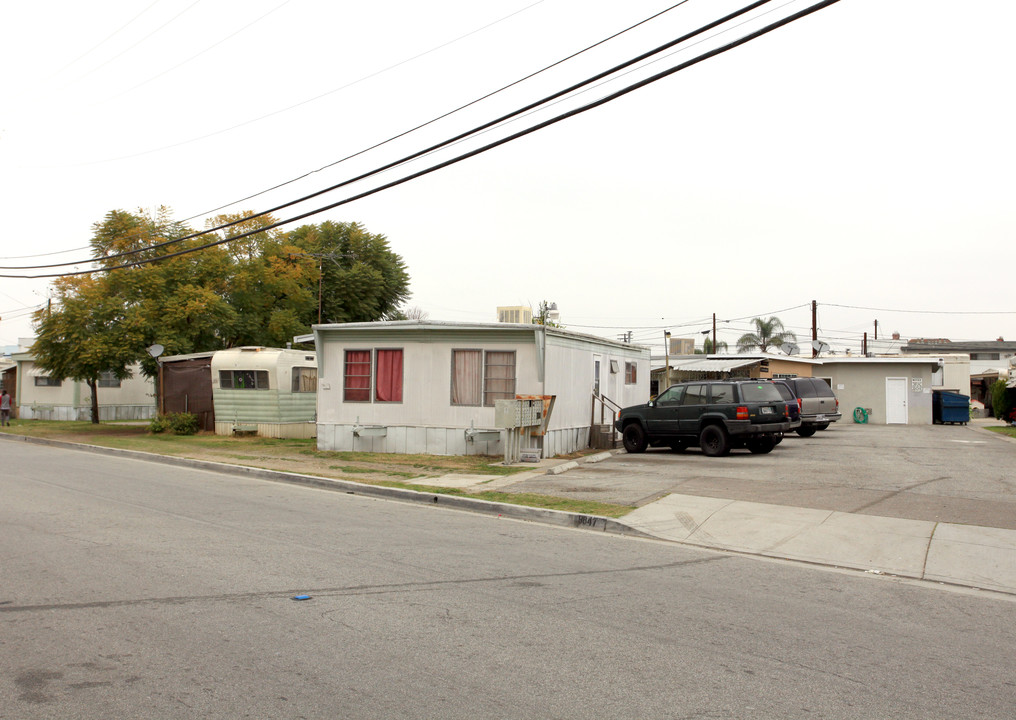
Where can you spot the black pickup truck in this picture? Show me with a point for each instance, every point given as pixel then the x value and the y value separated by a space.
pixel 718 415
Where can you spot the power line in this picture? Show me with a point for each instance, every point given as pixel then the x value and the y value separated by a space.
pixel 477 151
pixel 309 100
pixel 925 312
pixel 476 130
pixel 443 116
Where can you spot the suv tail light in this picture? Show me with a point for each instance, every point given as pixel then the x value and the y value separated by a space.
pixel 800 404
pixel 742 413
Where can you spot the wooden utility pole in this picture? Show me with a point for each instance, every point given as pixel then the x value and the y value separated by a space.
pixel 666 355
pixel 814 328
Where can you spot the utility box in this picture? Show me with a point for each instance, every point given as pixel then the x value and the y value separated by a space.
pixel 517 413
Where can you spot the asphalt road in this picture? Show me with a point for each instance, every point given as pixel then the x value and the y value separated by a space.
pixel 945 473
pixel 131 589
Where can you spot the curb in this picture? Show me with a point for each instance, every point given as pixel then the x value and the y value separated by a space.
pixel 559 518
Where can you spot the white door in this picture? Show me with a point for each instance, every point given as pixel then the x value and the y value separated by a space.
pixel 896 401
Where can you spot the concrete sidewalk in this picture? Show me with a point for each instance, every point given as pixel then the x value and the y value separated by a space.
pixel 966 555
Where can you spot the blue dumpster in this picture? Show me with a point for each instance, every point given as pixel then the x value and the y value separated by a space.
pixel 950 407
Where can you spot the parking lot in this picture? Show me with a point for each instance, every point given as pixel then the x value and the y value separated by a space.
pixel 945 473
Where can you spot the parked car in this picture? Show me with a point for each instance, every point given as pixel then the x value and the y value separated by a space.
pixel 816 401
pixel 718 415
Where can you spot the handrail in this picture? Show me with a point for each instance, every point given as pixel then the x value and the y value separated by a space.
pixel 605 402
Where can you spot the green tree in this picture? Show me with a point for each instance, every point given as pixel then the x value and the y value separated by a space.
pixel 768 333
pixel 361 278
pixel 260 290
pixel 89 333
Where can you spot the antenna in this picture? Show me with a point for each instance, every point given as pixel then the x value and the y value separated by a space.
pixel 790 348
pixel 820 346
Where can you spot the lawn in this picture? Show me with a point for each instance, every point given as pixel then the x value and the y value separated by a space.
pixel 302 456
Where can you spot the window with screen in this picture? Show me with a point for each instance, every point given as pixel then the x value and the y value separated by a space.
pixel 498 376
pixel 356 376
pixel 630 373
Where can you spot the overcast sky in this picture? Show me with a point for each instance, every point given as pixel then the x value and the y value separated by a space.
pixel 861 157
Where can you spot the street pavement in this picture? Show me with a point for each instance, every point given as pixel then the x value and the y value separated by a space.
pixel 930 503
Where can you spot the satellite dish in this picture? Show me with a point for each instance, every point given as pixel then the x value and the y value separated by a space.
pixel 790 348
pixel 156 350
pixel 820 346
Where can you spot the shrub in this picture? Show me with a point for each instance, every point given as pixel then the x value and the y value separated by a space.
pixel 1001 399
pixel 177 423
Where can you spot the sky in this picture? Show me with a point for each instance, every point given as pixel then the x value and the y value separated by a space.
pixel 860 158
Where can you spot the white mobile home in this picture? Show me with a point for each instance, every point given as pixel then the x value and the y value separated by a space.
pixel 39 396
pixel 267 391
pixel 430 387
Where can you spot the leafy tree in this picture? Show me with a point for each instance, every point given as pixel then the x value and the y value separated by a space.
pixel 90 333
pixel 260 290
pixel 361 278
pixel 768 333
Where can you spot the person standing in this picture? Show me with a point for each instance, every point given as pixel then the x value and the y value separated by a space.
pixel 5 409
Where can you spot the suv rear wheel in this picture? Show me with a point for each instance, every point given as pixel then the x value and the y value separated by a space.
pixel 806 430
pixel 714 441
pixel 634 438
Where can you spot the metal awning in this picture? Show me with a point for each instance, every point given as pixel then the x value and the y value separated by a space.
pixel 713 364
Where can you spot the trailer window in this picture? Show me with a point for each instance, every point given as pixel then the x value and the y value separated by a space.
pixel 243 379
pixel 304 379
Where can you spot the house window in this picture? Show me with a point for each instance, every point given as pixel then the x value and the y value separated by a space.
pixel 467 377
pixel 46 381
pixel 630 373
pixel 498 376
pixel 984 356
pixel 243 379
pixel 384 367
pixel 480 377
pixel 388 378
pixel 304 379
pixel 108 380
pixel 356 383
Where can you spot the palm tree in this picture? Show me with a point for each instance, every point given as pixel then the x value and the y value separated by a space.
pixel 768 333
pixel 707 346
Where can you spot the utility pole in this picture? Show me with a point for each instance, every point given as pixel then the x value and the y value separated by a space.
pixel 715 351
pixel 814 328
pixel 666 354
pixel 876 329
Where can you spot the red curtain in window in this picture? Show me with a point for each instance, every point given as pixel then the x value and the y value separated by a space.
pixel 388 387
pixel 357 376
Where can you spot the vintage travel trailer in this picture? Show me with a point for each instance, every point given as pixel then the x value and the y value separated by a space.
pixel 270 392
